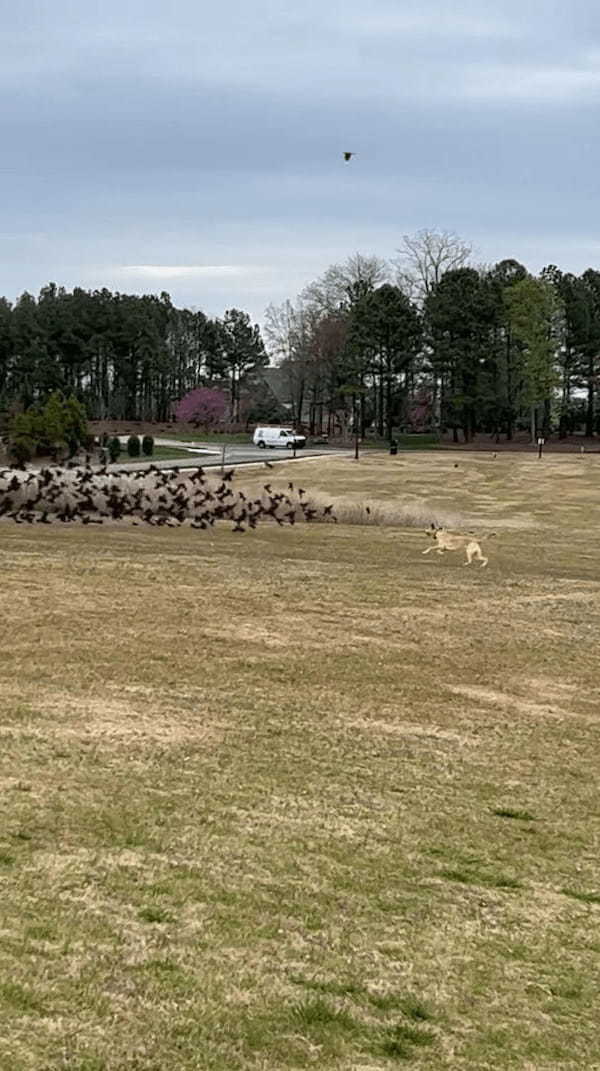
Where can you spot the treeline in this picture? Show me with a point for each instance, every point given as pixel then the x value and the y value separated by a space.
pixel 125 357
pixel 429 341
pixel 425 342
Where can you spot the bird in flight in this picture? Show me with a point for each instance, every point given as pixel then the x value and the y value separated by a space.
pixel 348 156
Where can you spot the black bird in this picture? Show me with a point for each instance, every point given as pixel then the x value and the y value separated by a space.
pixel 348 156
pixel 269 465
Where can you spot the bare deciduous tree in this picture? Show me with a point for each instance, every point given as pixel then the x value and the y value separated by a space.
pixel 288 330
pixel 424 257
pixel 335 288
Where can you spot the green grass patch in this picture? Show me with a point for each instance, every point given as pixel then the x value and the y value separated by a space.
pixel 154 914
pixel 398 1042
pixel 405 442
pixel 20 999
pixel 471 877
pixel 40 931
pixel 165 453
pixel 315 1012
pixel 201 437
pixel 510 812
pixel 585 897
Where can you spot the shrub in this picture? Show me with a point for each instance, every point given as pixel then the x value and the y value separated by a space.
pixel 133 446
pixel 148 445
pixel 74 422
pixel 22 449
pixel 58 425
pixel 24 425
pixel 52 433
pixel 114 448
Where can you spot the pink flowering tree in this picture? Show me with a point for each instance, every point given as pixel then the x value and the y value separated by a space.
pixel 202 407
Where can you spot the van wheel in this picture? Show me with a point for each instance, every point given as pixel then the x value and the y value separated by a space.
pixel 261 445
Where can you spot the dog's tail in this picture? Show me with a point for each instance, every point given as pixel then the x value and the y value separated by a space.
pixel 482 538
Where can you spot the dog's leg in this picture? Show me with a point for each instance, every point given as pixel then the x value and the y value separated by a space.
pixel 480 558
pixel 428 550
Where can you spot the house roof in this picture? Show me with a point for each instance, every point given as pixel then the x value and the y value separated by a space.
pixel 278 382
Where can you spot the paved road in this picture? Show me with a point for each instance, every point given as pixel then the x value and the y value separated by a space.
pixel 210 454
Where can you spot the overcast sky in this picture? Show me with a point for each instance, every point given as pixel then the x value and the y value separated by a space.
pixel 197 147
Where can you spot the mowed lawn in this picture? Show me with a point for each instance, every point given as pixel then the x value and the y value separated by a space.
pixel 303 797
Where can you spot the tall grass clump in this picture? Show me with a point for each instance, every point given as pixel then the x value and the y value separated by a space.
pixel 382 514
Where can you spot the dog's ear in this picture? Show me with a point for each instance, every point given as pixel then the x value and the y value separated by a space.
pixel 432 526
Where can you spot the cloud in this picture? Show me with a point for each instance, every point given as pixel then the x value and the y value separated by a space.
pixel 538 85
pixel 182 271
pixel 450 23
pixel 136 143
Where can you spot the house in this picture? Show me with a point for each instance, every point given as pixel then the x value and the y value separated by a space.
pixel 279 383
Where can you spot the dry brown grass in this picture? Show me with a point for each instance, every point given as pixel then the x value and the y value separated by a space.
pixel 33 496
pixel 304 798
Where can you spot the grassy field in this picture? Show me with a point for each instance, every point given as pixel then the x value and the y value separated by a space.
pixel 162 453
pixel 304 797
pixel 405 442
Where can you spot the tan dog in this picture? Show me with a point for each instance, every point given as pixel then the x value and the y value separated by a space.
pixel 444 540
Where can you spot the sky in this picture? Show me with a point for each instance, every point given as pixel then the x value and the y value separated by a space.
pixel 197 147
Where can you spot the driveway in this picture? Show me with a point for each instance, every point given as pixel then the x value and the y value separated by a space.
pixel 211 454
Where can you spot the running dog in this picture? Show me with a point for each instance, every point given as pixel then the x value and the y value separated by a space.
pixel 443 540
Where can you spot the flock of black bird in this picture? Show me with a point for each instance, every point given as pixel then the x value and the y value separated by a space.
pixel 91 495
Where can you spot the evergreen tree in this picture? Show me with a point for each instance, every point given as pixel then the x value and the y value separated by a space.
pixel 243 352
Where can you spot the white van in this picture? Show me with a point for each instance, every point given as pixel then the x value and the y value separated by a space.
pixel 273 437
